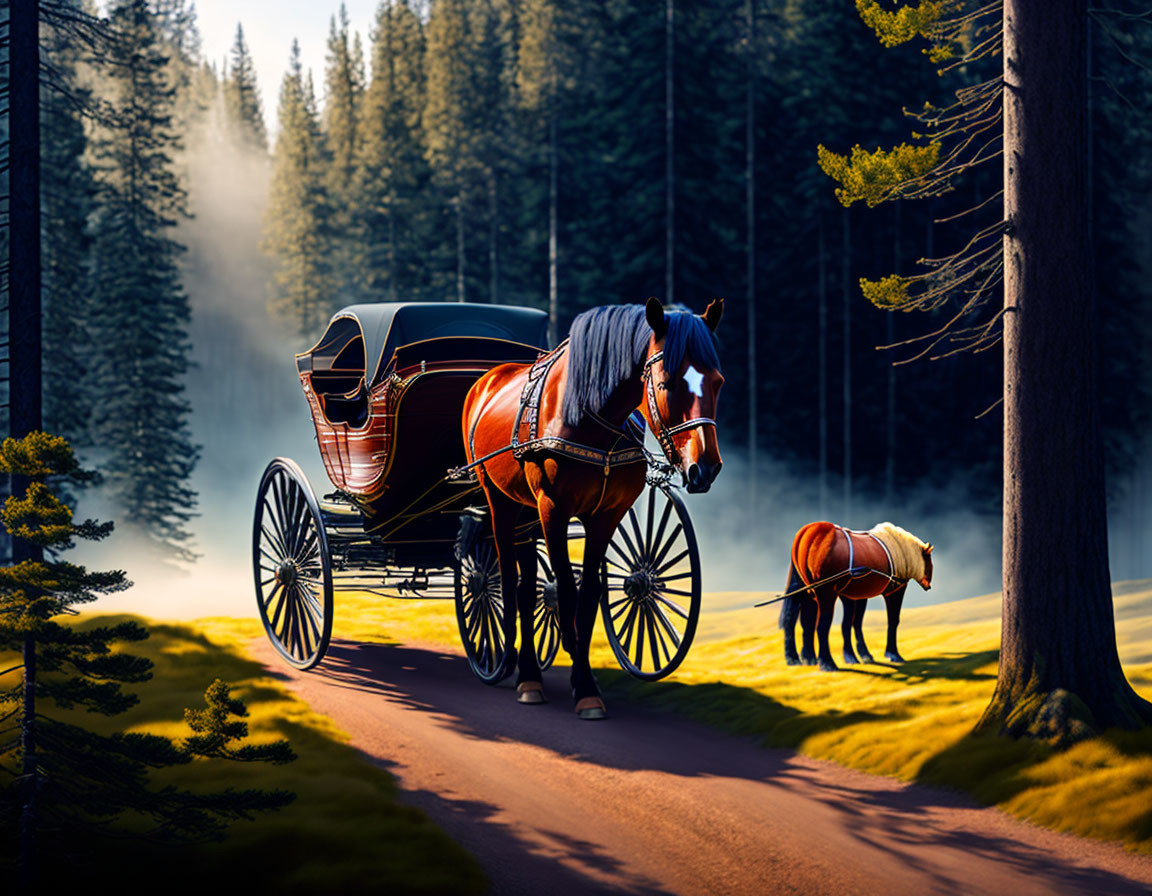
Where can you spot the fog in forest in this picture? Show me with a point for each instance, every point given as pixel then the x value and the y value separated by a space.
pixel 247 407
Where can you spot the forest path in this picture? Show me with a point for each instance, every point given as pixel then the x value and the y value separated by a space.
pixel 649 803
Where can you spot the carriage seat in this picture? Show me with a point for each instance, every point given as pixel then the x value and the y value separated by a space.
pixel 343 397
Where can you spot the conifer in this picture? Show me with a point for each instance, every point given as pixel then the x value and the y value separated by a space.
pixel 140 309
pixel 242 97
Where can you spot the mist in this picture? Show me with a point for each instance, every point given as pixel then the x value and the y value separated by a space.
pixel 247 407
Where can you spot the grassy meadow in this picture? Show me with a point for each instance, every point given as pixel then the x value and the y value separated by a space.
pixel 344 833
pixel 911 721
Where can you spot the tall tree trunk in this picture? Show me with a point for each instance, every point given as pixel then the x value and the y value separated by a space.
pixel 822 361
pixel 553 236
pixel 493 239
pixel 750 208
pixel 461 294
pixel 846 287
pixel 669 152
pixel 24 343
pixel 889 338
pixel 1060 675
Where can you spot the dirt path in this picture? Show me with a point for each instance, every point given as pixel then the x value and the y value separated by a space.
pixel 648 803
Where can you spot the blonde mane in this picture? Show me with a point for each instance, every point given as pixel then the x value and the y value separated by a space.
pixel 906 549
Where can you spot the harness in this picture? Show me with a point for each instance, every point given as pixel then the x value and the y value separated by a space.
pixel 525 428
pixel 852 572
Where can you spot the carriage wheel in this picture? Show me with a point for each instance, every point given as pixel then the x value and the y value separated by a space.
pixel 292 565
pixel 651 597
pixel 545 618
pixel 480 613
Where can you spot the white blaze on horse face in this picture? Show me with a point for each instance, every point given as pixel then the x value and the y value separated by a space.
pixel 695 380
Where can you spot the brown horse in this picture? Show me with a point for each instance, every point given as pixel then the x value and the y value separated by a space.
pixel 576 459
pixel 852 566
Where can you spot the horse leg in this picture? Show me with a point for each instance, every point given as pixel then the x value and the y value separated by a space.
pixel 597 532
pixel 504 515
pixel 849 608
pixel 529 682
pixel 789 612
pixel 555 526
pixel 808 613
pixel 894 602
pixel 826 606
pixel 858 626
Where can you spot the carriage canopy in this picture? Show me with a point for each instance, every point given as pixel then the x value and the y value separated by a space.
pixel 365 337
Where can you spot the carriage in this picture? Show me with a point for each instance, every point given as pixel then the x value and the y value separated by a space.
pixel 386 385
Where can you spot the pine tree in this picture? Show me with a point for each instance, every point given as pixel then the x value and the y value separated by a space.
pixel 67 194
pixel 140 419
pixel 450 114
pixel 242 97
pixel 343 96
pixel 392 179
pixel 303 294
pixel 1060 676
pixel 68 786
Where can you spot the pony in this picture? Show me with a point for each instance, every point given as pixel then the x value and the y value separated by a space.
pixel 830 562
pixel 575 402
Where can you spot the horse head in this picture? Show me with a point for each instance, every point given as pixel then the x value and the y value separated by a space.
pixel 681 382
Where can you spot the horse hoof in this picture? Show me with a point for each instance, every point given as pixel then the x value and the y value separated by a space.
pixel 808 660
pixel 866 658
pixel 530 692
pixel 893 657
pixel 828 666
pixel 850 659
pixel 792 659
pixel 591 708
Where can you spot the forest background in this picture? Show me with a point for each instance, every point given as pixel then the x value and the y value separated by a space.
pixel 562 155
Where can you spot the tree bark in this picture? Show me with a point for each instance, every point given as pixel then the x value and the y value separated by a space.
pixel 553 236
pixel 24 345
pixel 669 152
pixel 822 362
pixel 461 294
pixel 750 209
pixel 846 287
pixel 1060 675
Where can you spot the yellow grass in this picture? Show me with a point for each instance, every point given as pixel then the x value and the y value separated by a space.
pixel 345 832
pixel 911 721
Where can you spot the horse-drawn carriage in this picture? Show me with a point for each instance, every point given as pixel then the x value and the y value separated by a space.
pixel 386 386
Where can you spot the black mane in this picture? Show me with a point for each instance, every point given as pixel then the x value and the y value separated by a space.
pixel 607 345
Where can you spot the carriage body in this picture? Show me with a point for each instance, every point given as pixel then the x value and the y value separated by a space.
pixel 386 385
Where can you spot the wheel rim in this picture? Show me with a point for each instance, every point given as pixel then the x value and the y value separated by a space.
pixel 480 612
pixel 292 567
pixel 545 616
pixel 651 597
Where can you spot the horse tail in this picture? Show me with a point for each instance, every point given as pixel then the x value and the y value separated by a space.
pixel 790 606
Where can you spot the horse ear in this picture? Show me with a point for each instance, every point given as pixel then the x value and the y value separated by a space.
pixel 928 549
pixel 713 313
pixel 654 311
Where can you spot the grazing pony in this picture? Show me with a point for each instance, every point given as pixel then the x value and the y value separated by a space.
pixel 832 562
pixel 575 458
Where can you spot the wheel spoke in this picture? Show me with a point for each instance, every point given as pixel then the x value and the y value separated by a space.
pixel 654 641
pixel 659 616
pixel 641 553
pixel 673 606
pixel 622 531
pixel 668 564
pixel 639 658
pixel 648 544
pixel 668 545
pixel 663 521
pixel 627 628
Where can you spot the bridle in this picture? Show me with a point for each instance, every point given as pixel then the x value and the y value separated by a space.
pixel 660 429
